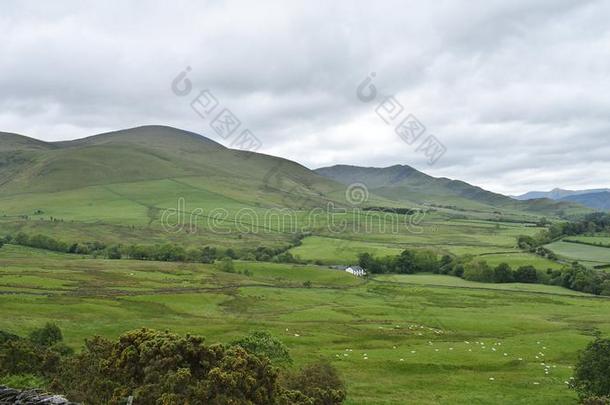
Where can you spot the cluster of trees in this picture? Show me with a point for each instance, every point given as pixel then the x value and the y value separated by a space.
pixel 590 224
pixel 164 368
pixel 470 268
pixel 410 261
pixel 578 277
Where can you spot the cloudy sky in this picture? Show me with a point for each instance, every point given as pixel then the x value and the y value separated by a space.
pixel 518 92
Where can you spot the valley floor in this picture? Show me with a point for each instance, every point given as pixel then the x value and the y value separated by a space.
pixel 422 339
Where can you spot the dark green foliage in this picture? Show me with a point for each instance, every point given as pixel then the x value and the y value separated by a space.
pixel 7 336
pixel 410 261
pixel 114 252
pixel 41 242
pixel 526 242
pixel 164 368
pixel 226 264
pixel 391 210
pixel 48 335
pixel 579 278
pixel 262 343
pixel 592 372
pixel 503 274
pixel 319 381
pixel 478 270
pixel 39 354
pixel 526 274
pixel 590 224
pixel 231 253
pixel 285 257
pixel 208 255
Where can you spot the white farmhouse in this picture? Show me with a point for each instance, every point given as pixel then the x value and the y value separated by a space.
pixel 356 271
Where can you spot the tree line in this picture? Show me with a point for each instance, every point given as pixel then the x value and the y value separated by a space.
pixel 596 222
pixel 573 276
pixel 167 252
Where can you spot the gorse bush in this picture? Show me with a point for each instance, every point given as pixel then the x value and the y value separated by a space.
pixel 38 354
pixel 262 343
pixel 592 372
pixel 164 368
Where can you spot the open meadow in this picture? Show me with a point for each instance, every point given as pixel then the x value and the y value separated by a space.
pixel 586 254
pixel 389 336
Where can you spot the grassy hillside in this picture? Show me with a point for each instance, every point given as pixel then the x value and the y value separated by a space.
pixel 404 183
pixel 116 187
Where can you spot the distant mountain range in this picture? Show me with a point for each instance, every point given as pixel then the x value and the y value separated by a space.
pixel 598 199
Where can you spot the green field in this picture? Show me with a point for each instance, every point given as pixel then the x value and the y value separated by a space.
pixel 486 343
pixel 437 280
pixel 586 254
pixel 519 259
pixel 594 240
pixel 341 251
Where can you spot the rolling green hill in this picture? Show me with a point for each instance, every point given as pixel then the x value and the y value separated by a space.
pixel 404 183
pixel 118 186
pixel 143 153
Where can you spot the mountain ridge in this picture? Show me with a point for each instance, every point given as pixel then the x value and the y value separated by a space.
pixel 407 183
pixel 155 152
pixel 556 193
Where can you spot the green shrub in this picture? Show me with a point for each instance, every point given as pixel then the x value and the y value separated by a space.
pixel 592 371
pixel 262 343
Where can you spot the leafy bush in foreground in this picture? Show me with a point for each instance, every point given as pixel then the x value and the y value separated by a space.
pixel 262 343
pixel 165 368
pixel 592 372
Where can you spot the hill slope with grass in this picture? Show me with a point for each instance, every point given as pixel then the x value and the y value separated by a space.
pixel 143 153
pixel 404 183
pixel 117 187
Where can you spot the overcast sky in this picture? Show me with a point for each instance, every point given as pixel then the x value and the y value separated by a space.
pixel 517 91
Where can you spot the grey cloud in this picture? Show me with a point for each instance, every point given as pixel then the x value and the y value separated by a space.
pixel 518 91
